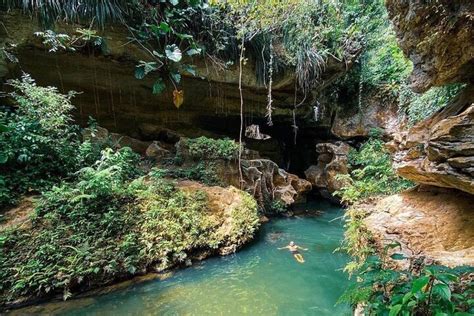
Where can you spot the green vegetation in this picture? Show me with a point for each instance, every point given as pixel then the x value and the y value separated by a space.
pixel 109 224
pixel 371 174
pixel 422 106
pixel 40 144
pixel 208 148
pixel 204 172
pixel 426 290
pixel 99 218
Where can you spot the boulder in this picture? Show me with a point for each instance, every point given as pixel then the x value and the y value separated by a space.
pixel 332 161
pixel 436 224
pixel 234 211
pixel 267 182
pixel 101 135
pixel 156 152
pixel 438 36
pixel 136 145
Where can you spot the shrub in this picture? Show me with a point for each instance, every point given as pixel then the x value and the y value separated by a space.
pixel 421 106
pixel 204 172
pixel 208 148
pixel 371 174
pixel 435 290
pixel 39 141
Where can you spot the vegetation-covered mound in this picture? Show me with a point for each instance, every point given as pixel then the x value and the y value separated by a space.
pixel 100 216
pixel 106 225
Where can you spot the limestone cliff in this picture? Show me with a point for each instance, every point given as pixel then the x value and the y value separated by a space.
pixel 438 36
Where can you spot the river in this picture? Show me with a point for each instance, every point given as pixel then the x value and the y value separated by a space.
pixel 258 280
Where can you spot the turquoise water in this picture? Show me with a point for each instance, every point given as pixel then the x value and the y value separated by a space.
pixel 258 280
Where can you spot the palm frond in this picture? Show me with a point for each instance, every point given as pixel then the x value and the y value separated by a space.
pixel 49 11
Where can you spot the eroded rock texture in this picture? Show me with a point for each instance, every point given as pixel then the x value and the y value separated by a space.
pixel 378 112
pixel 437 225
pixel 438 36
pixel 440 150
pixel 332 161
pixel 262 178
pixel 121 103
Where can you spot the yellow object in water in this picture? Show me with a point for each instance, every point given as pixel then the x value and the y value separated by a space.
pixel 299 257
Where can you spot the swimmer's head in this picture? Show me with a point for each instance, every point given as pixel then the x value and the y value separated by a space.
pixel 292 243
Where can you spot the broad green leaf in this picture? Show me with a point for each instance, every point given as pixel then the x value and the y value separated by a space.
pixel 447 277
pixel 407 297
pixel 443 291
pixel 419 283
pixel 159 86
pixel 3 128
pixel 139 72
pixel 394 310
pixel 144 68
pixel 190 69
pixel 173 53
pixel 184 36
pixel 164 27
pixel 392 245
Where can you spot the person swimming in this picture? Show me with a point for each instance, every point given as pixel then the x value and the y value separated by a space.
pixel 294 251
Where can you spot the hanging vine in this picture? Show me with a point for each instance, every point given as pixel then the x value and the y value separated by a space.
pixel 270 82
pixel 241 62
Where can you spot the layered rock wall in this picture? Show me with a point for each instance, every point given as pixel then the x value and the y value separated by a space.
pixel 438 36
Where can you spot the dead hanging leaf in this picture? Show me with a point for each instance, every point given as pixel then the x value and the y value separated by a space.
pixel 178 98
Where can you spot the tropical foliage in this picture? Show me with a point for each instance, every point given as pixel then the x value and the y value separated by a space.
pixel 432 290
pixel 108 224
pixel 371 173
pixel 39 140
